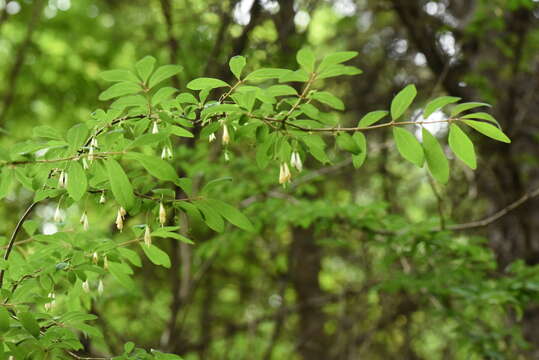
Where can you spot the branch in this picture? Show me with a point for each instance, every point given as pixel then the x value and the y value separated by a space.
pixel 13 237
pixel 497 215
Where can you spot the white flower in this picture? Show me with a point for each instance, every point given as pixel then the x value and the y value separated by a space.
pixel 162 214
pixel 84 221
pixel 86 286
pixel 119 221
pixel 147 236
pixel 105 263
pixel 155 128
pixel 100 287
pixel 102 198
pixel 58 214
pixel 212 137
pixel 50 305
pixel 295 161
pixel 91 156
pixel 93 142
pixel 226 136
pixel 122 211
pixel 62 180
pixel 166 153
pixel 227 156
pixel 284 174
pixel 95 257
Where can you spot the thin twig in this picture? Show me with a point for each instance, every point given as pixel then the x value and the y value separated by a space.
pixel 13 237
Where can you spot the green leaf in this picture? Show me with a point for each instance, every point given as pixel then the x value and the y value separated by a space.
pixel 121 273
pixel 162 94
pixel 281 90
pixel 162 233
pixel 162 73
pixel 211 217
pixel 156 167
pixel 266 73
pixel 146 139
pixel 438 103
pixel 129 101
pixel 77 183
pixel 435 156
pixel 156 255
pixel 119 75
pixel 359 159
pixel 336 58
pixel 372 118
pixel 338 70
pixel 482 116
pixel 145 67
pixel 306 59
pixel 408 146
pixel 130 255
pixel 402 101
pixel 47 132
pixel 462 146
pixel 120 185
pixel 299 75
pixel 329 99
pixel 4 320
pixel 233 215
pixel 5 181
pixel 77 136
pixel 120 89
pixel 347 143
pixel 237 63
pixel 466 106
pixel 30 323
pixel 181 132
pixel 206 83
pixel 488 130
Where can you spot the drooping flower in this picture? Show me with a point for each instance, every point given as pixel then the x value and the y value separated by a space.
pixel 86 286
pixel 58 214
pixel 295 161
pixel 212 137
pixel 147 236
pixel 162 214
pixel 284 174
pixel 100 287
pixel 155 128
pixel 226 136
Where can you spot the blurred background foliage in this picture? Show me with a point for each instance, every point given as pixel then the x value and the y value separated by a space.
pixel 345 263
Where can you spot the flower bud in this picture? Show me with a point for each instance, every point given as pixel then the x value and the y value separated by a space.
pixel 212 137
pixel 162 214
pixel 226 136
pixel 105 263
pixel 227 156
pixel 295 161
pixel 58 214
pixel 52 303
pixel 284 174
pixel 119 221
pixel 95 257
pixel 147 236
pixel 84 221
pixel 91 156
pixel 155 128
pixel 102 198
pixel 62 180
pixel 100 287
pixel 86 286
